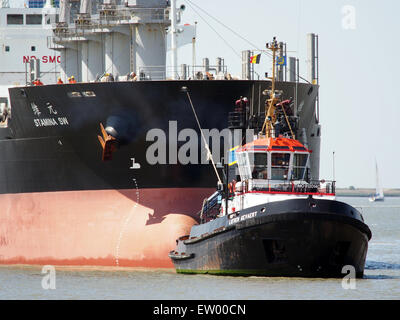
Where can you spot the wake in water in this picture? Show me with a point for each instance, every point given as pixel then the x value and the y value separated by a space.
pixel 376 265
pixel 375 207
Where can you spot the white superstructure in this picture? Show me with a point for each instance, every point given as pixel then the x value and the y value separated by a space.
pixel 122 38
pixel 272 169
pixel 24 34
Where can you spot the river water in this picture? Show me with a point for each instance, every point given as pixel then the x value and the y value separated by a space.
pixel 381 280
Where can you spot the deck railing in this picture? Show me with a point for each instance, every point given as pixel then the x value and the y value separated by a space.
pixel 109 17
pixel 271 186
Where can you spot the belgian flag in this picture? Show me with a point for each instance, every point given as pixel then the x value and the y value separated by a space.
pixel 255 59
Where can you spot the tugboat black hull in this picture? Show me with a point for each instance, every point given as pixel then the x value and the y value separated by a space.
pixel 296 238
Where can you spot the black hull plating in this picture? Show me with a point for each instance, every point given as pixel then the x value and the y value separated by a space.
pixel 299 238
pixel 68 157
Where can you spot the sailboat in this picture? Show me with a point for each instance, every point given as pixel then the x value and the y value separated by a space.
pixel 378 196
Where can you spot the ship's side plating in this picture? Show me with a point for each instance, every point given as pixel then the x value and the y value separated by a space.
pixel 58 194
pixel 55 149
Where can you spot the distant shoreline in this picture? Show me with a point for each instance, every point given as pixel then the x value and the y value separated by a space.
pixel 341 192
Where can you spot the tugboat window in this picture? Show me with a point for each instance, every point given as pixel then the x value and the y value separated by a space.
pixel 299 166
pixel 244 167
pixel 279 166
pixel 259 165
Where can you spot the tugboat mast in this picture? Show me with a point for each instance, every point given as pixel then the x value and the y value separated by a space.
pixel 274 98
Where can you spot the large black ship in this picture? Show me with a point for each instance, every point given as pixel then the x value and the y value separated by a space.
pixel 54 175
pixel 84 178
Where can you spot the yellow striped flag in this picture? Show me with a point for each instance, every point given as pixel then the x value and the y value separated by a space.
pixel 255 59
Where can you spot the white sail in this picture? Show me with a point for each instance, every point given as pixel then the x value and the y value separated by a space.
pixel 378 189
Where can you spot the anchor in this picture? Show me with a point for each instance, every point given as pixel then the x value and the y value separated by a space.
pixel 108 144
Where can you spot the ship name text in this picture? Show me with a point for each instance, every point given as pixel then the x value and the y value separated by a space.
pixel 243 217
pixel 51 122
pixel 43 59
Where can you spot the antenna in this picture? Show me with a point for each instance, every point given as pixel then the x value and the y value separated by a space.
pixel 194 49
pixel 174 50
pixel 333 165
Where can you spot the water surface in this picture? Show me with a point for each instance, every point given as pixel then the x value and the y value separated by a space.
pixel 381 280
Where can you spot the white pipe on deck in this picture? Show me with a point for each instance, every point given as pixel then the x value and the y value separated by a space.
pixel 174 51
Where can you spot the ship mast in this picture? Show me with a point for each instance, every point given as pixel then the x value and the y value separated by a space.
pixel 274 98
pixel 270 117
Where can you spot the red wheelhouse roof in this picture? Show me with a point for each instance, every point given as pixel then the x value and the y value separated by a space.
pixel 274 144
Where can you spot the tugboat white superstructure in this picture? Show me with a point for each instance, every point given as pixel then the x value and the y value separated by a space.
pixel 271 219
pixel 273 169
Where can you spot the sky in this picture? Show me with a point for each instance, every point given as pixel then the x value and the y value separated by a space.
pixel 358 49
pixel 359 110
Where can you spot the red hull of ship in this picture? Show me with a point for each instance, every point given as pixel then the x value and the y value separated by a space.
pixel 132 228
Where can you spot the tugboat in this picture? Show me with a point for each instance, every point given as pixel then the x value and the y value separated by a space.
pixel 270 219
